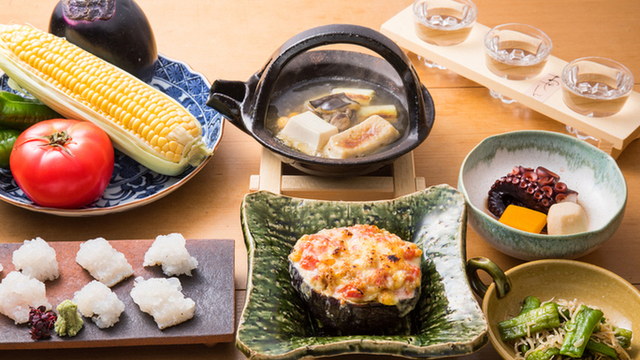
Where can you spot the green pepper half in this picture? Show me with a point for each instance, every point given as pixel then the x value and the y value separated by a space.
pixel 17 112
pixel 7 139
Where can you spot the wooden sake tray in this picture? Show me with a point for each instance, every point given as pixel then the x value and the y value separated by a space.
pixel 390 182
pixel 614 133
pixel 211 286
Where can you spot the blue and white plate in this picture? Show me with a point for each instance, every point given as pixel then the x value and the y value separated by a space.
pixel 132 184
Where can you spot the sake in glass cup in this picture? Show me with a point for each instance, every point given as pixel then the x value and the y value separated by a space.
pixel 516 51
pixel 596 86
pixel 444 22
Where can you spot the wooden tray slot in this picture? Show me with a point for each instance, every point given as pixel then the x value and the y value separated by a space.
pixel 392 181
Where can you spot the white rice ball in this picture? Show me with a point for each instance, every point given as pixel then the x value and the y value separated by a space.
pixel 170 252
pixel 19 292
pixel 103 262
pixel 98 302
pixel 1 267
pixel 36 259
pixel 163 299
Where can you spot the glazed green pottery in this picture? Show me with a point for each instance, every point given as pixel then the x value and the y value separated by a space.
pixel 601 187
pixel 276 323
pixel 563 280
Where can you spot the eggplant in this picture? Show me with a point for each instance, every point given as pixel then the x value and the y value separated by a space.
pixel 352 318
pixel 117 31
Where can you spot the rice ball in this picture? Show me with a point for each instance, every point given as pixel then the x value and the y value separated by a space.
pixel 103 262
pixel 37 259
pixel 19 292
pixel 170 251
pixel 163 300
pixel 98 302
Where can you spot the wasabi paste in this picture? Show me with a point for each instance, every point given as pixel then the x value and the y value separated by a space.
pixel 69 320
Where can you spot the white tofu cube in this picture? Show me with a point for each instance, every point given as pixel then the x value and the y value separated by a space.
pixel 310 129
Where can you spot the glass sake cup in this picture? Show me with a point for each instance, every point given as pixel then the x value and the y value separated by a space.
pixel 595 86
pixel 516 51
pixel 444 22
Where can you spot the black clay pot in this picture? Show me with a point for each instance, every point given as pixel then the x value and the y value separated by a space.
pixel 246 104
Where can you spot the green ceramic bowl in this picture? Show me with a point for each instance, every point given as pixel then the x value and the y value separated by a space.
pixel 561 279
pixel 276 323
pixel 591 172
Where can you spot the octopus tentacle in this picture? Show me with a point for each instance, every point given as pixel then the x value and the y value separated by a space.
pixel 536 189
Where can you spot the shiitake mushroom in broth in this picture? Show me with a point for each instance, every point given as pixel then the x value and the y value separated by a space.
pixel 336 120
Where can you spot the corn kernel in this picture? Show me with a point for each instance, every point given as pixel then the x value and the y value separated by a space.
pixel 162 141
pixel 138 111
pixel 145 131
pixel 159 128
pixel 136 124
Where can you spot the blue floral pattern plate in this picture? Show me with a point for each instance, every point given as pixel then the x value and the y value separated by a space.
pixel 132 184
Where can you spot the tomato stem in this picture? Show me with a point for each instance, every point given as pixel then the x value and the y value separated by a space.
pixel 58 139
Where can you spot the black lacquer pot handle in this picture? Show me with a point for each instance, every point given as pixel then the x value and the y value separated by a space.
pixel 342 34
pixel 227 97
pixel 244 103
pixel 500 279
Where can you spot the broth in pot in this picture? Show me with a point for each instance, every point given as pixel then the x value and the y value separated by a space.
pixel 336 120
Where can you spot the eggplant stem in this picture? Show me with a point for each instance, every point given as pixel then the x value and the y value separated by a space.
pixel 88 10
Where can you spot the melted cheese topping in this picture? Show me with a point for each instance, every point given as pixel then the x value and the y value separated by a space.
pixel 360 263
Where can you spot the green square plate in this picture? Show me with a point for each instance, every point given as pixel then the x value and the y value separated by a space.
pixel 275 322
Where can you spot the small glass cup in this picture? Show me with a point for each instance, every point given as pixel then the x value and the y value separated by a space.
pixel 595 86
pixel 516 51
pixel 444 22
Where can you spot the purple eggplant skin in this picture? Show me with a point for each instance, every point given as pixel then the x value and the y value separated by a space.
pixel 125 39
pixel 352 318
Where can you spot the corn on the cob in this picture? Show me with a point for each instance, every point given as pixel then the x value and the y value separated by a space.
pixel 142 122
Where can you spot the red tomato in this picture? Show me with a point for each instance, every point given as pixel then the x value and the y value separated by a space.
pixel 350 291
pixel 309 262
pixel 412 273
pixel 62 163
pixel 379 277
pixel 409 253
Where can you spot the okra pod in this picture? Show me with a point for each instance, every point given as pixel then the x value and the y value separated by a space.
pixel 579 330
pixel 601 348
pixel 624 337
pixel 17 112
pixel 544 354
pixel 544 317
pixel 530 303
